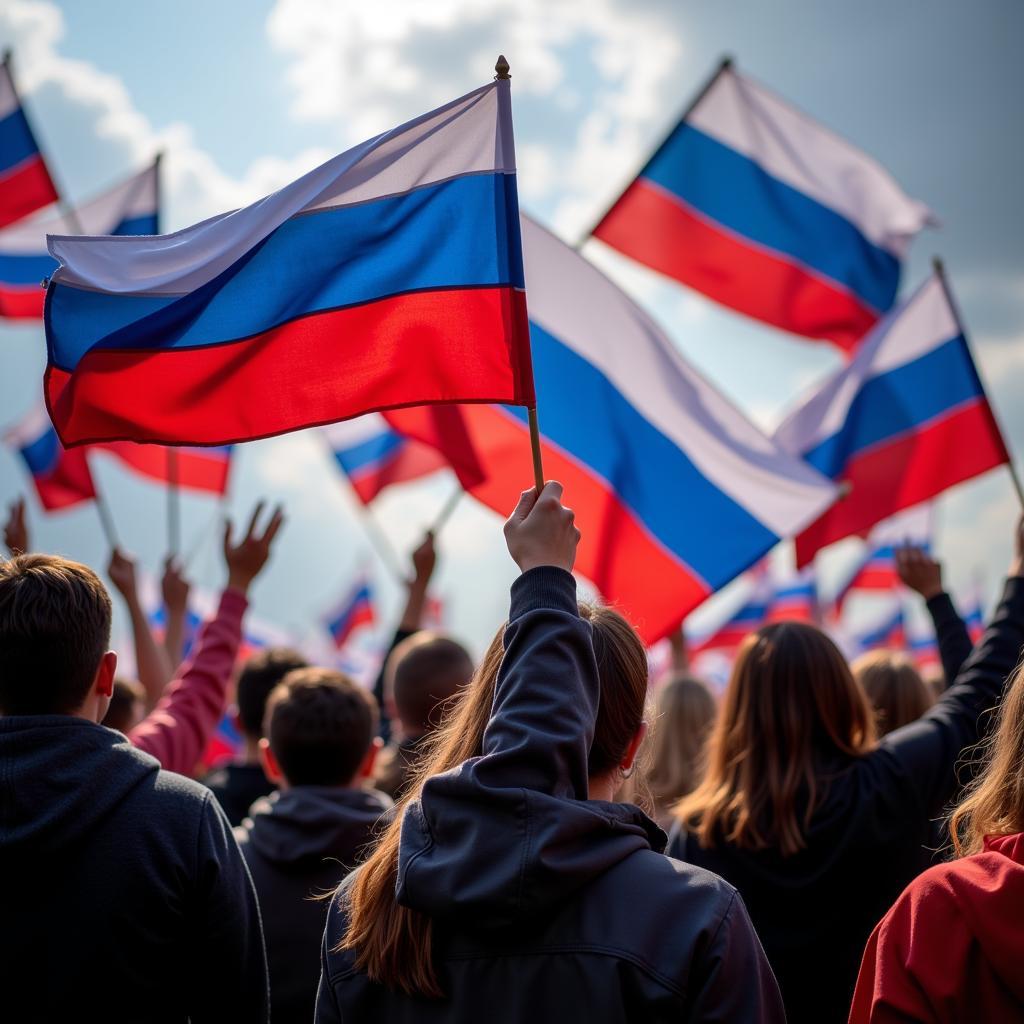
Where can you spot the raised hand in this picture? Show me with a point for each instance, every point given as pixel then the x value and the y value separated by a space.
pixel 541 531
pixel 424 559
pixel 247 558
pixel 174 586
pixel 121 571
pixel 16 529
pixel 919 571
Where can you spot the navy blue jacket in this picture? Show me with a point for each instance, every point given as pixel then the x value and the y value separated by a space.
pixel 547 906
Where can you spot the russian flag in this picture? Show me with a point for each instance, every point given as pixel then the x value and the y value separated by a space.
pixel 768 212
pixel 906 419
pixel 974 618
pixel 675 492
pixel 192 468
pixel 373 456
pixel 61 476
pixel 795 600
pixel 889 633
pixel 355 610
pixel 129 208
pixel 924 649
pixel 748 618
pixel 25 183
pixel 390 275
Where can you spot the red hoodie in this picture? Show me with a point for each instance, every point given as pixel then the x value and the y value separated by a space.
pixel 952 946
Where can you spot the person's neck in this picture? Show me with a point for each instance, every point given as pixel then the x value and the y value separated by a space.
pixel 603 787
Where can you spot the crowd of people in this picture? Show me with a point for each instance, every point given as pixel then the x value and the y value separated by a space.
pixel 540 836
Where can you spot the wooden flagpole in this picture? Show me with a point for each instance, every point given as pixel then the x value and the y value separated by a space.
pixel 173 504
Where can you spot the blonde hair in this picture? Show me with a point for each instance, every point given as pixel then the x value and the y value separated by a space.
pixel 894 687
pixel 994 803
pixel 791 699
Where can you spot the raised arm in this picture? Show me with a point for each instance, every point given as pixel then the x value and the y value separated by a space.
pixel 920 572
pixel 16 528
pixel 175 589
pixel 178 729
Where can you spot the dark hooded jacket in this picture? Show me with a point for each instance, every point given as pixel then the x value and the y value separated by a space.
pixel 299 843
pixel 123 896
pixel 868 836
pixel 547 906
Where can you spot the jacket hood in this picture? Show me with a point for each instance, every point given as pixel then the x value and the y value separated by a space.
pixel 991 903
pixel 307 823
pixel 60 777
pixel 511 855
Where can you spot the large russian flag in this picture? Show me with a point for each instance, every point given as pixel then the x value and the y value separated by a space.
pixel 766 211
pixel 129 208
pixel 675 492
pixel 61 476
pixel 193 468
pixel 391 275
pixel 25 183
pixel 373 456
pixel 906 419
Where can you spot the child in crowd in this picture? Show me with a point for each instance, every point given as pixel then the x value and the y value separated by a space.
pixel 123 893
pixel 512 887
pixel 425 673
pixel 238 785
pixel 952 947
pixel 817 825
pixel 894 688
pixel 320 745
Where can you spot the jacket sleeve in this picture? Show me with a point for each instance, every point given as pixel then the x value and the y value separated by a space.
pixel 736 982
pixel 927 750
pixel 327 1009
pixel 228 974
pixel 177 730
pixel 951 632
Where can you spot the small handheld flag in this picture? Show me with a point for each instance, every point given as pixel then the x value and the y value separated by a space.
pixel 354 611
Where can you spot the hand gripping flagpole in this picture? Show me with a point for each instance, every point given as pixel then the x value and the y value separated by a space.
pixel 940 273
pixel 501 73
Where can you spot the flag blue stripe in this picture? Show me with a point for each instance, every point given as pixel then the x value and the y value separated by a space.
pixel 16 141
pixel 369 453
pixel 42 455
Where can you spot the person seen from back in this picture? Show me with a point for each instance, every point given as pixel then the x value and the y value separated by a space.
pixel 319 748
pixel 511 887
pixel 123 891
pixel 239 784
pixel 952 947
pixel 816 824
pixel 894 688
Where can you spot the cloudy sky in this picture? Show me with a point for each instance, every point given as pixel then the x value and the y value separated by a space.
pixel 243 95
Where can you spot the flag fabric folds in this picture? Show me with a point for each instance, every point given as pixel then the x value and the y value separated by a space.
pixel 194 469
pixel 764 210
pixel 669 482
pixel 129 208
pixel 390 275
pixel 61 476
pixel 355 610
pixel 906 419
pixel 25 183
pixel 373 456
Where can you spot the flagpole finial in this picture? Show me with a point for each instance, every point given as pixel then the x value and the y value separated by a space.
pixel 501 69
pixel 938 266
pixel 8 54
pixel 158 157
pixel 727 62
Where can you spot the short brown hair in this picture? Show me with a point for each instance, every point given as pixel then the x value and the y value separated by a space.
pixel 127 697
pixel 895 688
pixel 260 674
pixel 320 725
pixel 426 671
pixel 54 629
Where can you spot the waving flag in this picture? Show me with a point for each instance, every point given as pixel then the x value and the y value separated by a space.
pixel 61 477
pixel 355 610
pixel 129 208
pixel 373 456
pixel 887 634
pixel 25 183
pixel 974 616
pixel 194 469
pixel 748 618
pixel 668 480
pixel 768 212
pixel 924 649
pixel 390 275
pixel 795 599
pixel 904 421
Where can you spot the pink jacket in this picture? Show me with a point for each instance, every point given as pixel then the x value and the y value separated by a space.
pixel 177 730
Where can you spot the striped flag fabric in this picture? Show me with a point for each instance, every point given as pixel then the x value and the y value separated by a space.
pixel 191 468
pixel 924 649
pixel 668 480
pixel 766 211
pixel 748 618
pixel 390 275
pixel 25 182
pixel 129 208
pixel 61 476
pixel 887 633
pixel 905 420
pixel 795 599
pixel 355 610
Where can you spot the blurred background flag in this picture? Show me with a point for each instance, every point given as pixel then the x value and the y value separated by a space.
pixel 61 476
pixel 25 182
pixel 194 469
pixel 766 211
pixel 795 598
pixel 391 274
pixel 906 419
pixel 354 611
pixel 668 480
pixel 129 208
pixel 749 617
pixel 887 633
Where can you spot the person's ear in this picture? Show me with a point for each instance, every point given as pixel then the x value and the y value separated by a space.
pixel 104 685
pixel 634 746
pixel 271 768
pixel 366 768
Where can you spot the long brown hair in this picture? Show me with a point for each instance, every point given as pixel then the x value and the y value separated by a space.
pixel 392 943
pixel 994 803
pixel 790 702
pixel 894 687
